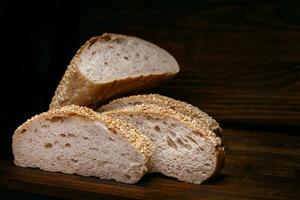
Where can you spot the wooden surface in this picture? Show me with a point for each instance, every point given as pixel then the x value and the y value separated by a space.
pixel 259 165
pixel 240 62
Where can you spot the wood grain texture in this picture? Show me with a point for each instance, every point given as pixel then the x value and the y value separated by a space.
pixel 257 167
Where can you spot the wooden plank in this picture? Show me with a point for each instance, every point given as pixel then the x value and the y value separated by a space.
pixel 257 167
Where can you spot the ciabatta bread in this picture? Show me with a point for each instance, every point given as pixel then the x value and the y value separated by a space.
pixel 156 99
pixel 110 65
pixel 182 148
pixel 78 140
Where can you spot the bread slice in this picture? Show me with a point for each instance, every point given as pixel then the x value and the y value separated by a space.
pixel 182 148
pixel 156 99
pixel 110 65
pixel 78 140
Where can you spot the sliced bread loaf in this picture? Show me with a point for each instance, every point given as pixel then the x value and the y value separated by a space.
pixel 182 148
pixel 110 65
pixel 78 140
pixel 156 99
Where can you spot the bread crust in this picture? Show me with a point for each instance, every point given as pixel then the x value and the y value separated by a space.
pixel 75 88
pixel 139 141
pixel 220 160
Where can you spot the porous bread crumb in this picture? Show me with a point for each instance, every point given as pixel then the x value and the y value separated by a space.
pixel 179 106
pixel 138 140
pixel 154 109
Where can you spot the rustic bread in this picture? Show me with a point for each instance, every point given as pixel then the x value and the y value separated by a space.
pixel 110 65
pixel 156 99
pixel 78 140
pixel 182 148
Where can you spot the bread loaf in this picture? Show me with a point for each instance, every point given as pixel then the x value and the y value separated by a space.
pixel 182 149
pixel 110 65
pixel 75 139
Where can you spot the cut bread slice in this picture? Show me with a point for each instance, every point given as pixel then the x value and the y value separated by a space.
pixel 78 140
pixel 110 65
pixel 182 149
pixel 156 99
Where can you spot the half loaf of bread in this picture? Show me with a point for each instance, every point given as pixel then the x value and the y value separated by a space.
pixel 110 65
pixel 182 148
pixel 156 99
pixel 76 139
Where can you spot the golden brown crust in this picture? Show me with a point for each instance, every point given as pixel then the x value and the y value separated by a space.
pixel 179 106
pixel 67 87
pixel 75 88
pixel 138 140
pixel 220 160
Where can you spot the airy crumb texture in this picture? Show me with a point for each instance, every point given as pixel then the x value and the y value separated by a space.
pixel 110 65
pixel 182 149
pixel 115 56
pixel 156 99
pixel 141 142
pixel 193 123
pixel 78 140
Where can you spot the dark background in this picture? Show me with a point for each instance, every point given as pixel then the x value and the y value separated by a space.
pixel 240 60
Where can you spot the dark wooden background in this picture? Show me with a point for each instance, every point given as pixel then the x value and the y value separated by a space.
pixel 240 62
